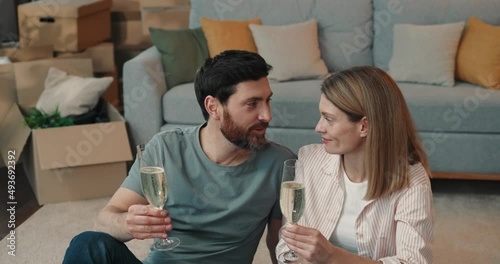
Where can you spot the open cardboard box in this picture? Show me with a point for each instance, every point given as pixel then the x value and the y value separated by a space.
pixel 65 163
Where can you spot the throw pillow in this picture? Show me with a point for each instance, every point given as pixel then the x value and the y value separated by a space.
pixel 228 35
pixel 4 60
pixel 182 52
pixel 292 50
pixel 425 53
pixel 478 58
pixel 72 95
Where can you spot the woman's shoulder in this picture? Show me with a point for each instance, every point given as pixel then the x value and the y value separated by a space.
pixel 418 175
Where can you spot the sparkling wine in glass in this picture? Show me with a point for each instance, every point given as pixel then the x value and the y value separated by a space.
pixel 292 201
pixel 154 186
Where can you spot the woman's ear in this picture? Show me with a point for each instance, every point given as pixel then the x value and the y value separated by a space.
pixel 363 127
pixel 212 107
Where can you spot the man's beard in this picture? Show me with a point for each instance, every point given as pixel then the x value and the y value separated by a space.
pixel 242 137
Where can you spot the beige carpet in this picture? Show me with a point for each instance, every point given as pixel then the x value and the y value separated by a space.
pixel 467 231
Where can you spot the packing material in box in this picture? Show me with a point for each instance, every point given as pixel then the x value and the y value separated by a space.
pixel 67 25
pixel 63 163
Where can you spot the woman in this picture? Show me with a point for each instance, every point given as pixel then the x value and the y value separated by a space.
pixel 368 194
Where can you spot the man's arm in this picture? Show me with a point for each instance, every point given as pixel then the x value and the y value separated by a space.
pixel 273 228
pixel 127 216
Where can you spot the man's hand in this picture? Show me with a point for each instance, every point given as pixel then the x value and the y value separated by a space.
pixel 308 243
pixel 145 221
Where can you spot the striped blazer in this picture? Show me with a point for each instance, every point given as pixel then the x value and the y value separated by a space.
pixel 396 228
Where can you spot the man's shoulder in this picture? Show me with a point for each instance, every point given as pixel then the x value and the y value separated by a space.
pixel 175 133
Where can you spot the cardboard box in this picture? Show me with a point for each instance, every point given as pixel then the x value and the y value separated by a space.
pixel 162 3
pixel 27 53
pixel 174 17
pixel 113 94
pixel 65 163
pixel 128 35
pixel 68 25
pixel 102 56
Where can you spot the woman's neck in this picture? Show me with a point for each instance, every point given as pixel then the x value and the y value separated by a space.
pixel 353 167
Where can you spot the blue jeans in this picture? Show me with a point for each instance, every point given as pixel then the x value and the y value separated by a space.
pixel 98 248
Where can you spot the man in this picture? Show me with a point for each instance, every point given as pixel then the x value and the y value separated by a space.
pixel 223 176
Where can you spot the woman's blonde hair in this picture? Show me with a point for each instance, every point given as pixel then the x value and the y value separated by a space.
pixel 392 144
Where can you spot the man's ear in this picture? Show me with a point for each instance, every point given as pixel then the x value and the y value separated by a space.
pixel 363 127
pixel 212 107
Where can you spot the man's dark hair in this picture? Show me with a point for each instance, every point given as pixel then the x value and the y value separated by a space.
pixel 218 76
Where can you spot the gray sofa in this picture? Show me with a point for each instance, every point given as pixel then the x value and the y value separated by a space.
pixel 459 126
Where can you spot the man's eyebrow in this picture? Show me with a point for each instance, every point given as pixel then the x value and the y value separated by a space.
pixel 257 98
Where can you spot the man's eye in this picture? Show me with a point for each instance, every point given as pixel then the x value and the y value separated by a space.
pixel 252 104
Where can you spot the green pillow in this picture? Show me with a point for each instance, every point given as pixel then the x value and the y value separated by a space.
pixel 182 51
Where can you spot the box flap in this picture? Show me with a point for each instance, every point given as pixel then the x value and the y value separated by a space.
pixel 27 53
pixel 68 9
pixel 81 145
pixel 13 132
pixel 30 76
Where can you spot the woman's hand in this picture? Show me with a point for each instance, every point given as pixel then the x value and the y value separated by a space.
pixel 145 221
pixel 309 243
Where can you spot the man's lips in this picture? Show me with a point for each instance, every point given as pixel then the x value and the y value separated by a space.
pixel 260 130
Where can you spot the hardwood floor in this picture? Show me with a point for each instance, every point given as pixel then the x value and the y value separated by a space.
pixel 26 205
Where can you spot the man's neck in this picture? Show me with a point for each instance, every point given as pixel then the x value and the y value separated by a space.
pixel 218 149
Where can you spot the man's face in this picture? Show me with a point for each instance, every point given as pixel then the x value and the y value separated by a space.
pixel 247 114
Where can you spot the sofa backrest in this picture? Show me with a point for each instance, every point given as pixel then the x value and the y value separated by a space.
pixel 345 27
pixel 423 12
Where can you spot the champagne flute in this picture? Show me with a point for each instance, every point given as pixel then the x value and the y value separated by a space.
pixel 292 201
pixel 154 186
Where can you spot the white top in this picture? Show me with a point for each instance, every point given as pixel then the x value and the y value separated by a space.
pixel 344 235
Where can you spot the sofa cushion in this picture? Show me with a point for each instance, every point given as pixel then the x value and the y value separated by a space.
pixel 344 27
pixel 463 108
pixel 424 12
pixel 425 53
pixel 294 104
pixel 228 35
pixel 478 58
pixel 292 50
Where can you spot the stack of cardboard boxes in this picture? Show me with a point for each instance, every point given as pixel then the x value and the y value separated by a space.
pixel 75 29
pixel 85 38
pixel 131 19
pixel 61 163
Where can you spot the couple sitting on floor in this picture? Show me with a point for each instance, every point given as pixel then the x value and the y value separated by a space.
pixel 368 194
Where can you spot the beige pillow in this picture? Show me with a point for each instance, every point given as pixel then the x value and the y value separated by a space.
pixel 292 50
pixel 425 53
pixel 72 95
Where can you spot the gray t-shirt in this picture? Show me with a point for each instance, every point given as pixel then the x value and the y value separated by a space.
pixel 218 212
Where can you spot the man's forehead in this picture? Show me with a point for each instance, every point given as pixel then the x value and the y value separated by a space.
pixel 259 88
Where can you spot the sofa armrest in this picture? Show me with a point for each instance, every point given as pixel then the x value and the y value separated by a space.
pixel 143 89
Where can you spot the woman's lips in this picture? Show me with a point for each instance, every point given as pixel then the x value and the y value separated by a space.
pixel 325 140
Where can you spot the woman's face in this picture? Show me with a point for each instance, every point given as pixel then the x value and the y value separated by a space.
pixel 339 135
